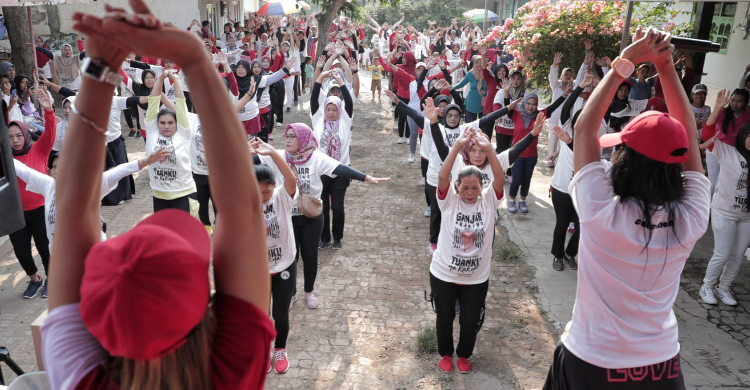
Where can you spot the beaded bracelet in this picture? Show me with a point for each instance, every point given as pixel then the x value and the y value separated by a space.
pixel 85 119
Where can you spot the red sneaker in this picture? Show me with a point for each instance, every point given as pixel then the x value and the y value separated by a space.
pixel 446 364
pixel 464 365
pixel 282 363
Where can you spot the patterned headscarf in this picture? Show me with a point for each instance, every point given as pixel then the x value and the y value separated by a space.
pixel 26 138
pixel 331 139
pixel 306 143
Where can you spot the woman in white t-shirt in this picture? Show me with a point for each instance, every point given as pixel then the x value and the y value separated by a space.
pixel 638 227
pixel 171 178
pixel 332 125
pixel 310 163
pixel 278 203
pixel 253 104
pixel 730 219
pixel 460 267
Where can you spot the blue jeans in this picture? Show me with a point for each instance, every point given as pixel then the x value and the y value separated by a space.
pixel 522 170
pixel 38 126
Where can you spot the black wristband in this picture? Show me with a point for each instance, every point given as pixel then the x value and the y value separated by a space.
pixel 355 71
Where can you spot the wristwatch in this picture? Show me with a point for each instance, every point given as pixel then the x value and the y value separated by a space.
pixel 623 67
pixel 95 69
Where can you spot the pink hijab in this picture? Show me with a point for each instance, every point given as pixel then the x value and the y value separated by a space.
pixel 306 143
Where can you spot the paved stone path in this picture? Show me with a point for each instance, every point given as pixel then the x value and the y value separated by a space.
pixel 363 335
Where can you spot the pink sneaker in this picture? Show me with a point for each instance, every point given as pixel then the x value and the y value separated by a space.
pixel 464 365
pixel 446 364
pixel 282 363
pixel 432 248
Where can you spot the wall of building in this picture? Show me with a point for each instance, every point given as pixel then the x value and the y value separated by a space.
pixel 723 71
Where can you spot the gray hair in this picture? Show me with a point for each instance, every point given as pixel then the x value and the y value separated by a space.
pixel 469 170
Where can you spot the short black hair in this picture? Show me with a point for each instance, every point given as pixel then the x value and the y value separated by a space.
pixel 204 23
pixel 166 111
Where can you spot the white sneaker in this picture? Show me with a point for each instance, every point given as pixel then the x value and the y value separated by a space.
pixel 428 211
pixel 278 124
pixel 747 253
pixel 270 136
pixel 726 296
pixel 401 140
pixel 707 295
pixel 421 182
pixel 395 125
pixel 291 304
pixel 311 300
pixel 393 108
pixel 411 158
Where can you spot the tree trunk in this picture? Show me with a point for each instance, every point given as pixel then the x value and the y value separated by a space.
pixel 17 23
pixel 324 23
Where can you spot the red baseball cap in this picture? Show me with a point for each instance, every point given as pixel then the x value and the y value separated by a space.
pixel 144 291
pixel 653 134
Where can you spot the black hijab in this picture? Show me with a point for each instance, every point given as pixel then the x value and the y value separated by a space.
pixel 243 83
pixel 27 142
pixel 617 122
pixel 739 144
pixel 141 89
pixel 496 68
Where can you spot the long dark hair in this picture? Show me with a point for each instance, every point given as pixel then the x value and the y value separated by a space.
pixel 728 113
pixel 650 184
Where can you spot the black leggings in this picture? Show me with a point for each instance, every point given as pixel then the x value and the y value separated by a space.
pixel 282 290
pixel 568 372
pixel 307 237
pixel 435 216
pixel 424 164
pixel 181 203
pixel 402 128
pixel 565 213
pixel 204 194
pixel 471 298
pixel 21 241
pixel 277 102
pixel 130 114
pixel 265 130
pixel 335 189
pixel 126 186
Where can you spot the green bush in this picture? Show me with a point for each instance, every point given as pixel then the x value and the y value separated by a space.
pixel 427 340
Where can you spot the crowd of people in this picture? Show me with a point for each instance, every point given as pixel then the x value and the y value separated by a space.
pixel 200 100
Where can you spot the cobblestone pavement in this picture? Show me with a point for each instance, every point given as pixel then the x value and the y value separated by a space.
pixel 363 335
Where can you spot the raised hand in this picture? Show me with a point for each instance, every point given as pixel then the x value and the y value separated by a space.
pixel 514 103
pixel 261 147
pixel 391 95
pixel 430 112
pixel 644 46
pixel 45 100
pixel 722 99
pixel 589 58
pixel 588 44
pixel 558 59
pixel 482 141
pixel 587 81
pixel 506 84
pixel 600 62
pixel 464 138
pixel 290 63
pixel 561 134
pixel 539 124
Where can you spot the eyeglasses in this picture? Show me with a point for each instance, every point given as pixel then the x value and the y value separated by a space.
pixel 451 116
pixel 290 137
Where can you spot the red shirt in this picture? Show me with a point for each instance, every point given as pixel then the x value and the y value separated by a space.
pixel 36 159
pixel 520 132
pixel 239 353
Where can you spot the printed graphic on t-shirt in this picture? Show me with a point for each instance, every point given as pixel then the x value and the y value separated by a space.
pixel 161 173
pixel 273 231
pixel 52 213
pixel 464 265
pixel 198 143
pixel 452 137
pixel 656 372
pixel 304 186
pixel 468 231
pixel 740 202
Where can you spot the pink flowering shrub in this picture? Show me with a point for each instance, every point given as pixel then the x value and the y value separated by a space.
pixel 564 26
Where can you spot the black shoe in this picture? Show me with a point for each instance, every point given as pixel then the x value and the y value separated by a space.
pixel 323 244
pixel 557 264
pixel 44 289
pixel 33 289
pixel 571 262
pixel 288 110
pixel 131 134
pixel 337 245
pixel 295 102
pixel 138 134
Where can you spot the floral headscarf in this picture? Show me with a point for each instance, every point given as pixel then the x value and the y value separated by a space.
pixel 331 139
pixel 306 143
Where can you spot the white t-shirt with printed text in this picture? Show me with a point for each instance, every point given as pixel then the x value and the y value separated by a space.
pixel 449 137
pixel 730 194
pixel 623 311
pixel 173 174
pixel 464 252
pixel 277 214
